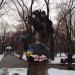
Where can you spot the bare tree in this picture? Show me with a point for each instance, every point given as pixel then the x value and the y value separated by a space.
pixel 4 28
pixel 47 6
pixel 66 18
pixel 2 3
pixel 2 31
pixel 66 21
pixel 23 11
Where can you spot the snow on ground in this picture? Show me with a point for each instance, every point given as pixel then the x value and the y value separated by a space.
pixel 55 61
pixel 62 54
pixel 73 56
pixel 24 56
pixel 11 71
pixel 51 71
pixel 60 72
pixel 58 58
pixel 21 71
pixel 1 57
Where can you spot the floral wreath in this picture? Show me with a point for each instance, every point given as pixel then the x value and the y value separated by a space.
pixel 36 57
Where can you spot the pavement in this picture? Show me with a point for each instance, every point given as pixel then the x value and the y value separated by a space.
pixel 12 61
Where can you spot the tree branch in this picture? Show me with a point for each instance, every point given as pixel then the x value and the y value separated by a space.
pixel 1 3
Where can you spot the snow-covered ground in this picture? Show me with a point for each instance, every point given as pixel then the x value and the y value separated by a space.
pixel 23 57
pixel 51 71
pixel 11 71
pixel 56 60
pixel 1 57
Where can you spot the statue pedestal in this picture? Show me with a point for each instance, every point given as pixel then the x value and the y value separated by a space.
pixel 37 69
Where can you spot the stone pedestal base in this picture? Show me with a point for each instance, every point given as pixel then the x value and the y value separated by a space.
pixel 37 69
